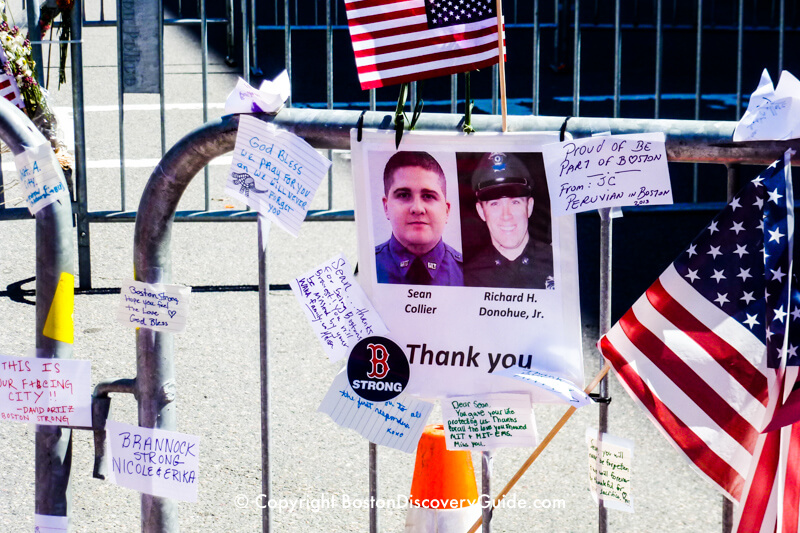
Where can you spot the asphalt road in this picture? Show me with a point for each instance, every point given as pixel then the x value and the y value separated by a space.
pixel 218 371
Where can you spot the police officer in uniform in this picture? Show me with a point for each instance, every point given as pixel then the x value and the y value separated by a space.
pixel 415 203
pixel 504 201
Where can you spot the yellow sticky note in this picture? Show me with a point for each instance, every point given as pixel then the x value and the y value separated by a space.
pixel 59 325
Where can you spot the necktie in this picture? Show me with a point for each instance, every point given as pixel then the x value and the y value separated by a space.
pixel 417 273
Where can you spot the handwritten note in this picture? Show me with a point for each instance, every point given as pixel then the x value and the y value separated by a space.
pixel 610 462
pixel 275 172
pixel 560 387
pixel 607 171
pixel 488 421
pixel 154 306
pixel 154 461
pixel 396 423
pixel 45 523
pixel 41 177
pixel 268 98
pixel 50 392
pixel 773 113
pixel 339 311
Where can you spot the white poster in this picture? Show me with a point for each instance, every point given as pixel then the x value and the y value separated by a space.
pixel 462 258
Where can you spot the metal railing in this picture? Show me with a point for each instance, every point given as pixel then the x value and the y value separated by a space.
pixel 578 57
pixel 686 141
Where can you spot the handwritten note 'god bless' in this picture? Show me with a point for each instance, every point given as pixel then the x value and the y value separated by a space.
pixel 275 172
pixel 154 306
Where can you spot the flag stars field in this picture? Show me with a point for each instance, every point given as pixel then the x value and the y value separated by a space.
pixel 744 274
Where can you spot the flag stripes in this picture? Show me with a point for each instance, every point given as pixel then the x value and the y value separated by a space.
pixel 704 351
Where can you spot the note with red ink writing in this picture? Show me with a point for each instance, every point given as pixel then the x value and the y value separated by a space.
pixel 154 461
pixel 49 392
pixel 41 177
pixel 155 306
pixel 337 307
pixel 607 171
pixel 488 421
pixel 396 423
pixel 275 172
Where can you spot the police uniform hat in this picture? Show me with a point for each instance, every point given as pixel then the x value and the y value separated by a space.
pixel 501 175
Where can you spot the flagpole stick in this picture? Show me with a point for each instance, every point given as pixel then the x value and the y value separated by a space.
pixel 542 445
pixel 502 64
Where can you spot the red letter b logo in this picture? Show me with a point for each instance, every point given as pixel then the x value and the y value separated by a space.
pixel 379 359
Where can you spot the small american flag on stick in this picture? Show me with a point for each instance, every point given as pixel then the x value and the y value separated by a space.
pixel 398 41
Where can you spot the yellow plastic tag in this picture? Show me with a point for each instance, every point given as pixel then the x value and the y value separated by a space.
pixel 59 324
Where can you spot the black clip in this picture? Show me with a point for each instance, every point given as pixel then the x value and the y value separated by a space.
pixel 564 129
pixel 360 125
pixel 596 396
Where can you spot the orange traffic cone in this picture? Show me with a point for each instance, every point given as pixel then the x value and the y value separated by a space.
pixel 444 495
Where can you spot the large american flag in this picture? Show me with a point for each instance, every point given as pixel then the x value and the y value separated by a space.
pixel 705 350
pixel 398 41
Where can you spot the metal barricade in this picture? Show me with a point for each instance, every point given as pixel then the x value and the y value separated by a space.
pixel 568 57
pixel 54 244
pixel 154 386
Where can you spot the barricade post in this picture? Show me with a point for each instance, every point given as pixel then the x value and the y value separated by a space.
pixel 53 258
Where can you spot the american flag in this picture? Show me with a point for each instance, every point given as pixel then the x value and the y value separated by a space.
pixel 704 352
pixel 398 41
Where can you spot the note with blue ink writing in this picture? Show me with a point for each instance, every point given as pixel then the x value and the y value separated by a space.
pixel 773 113
pixel 489 421
pixel 275 172
pixel 154 461
pixel 41 177
pixel 561 388
pixel 337 307
pixel 160 307
pixel 607 171
pixel 396 423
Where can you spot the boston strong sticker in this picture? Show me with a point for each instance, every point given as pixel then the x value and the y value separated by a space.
pixel 377 369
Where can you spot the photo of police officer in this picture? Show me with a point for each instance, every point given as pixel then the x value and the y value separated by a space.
pixel 505 211
pixel 415 204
